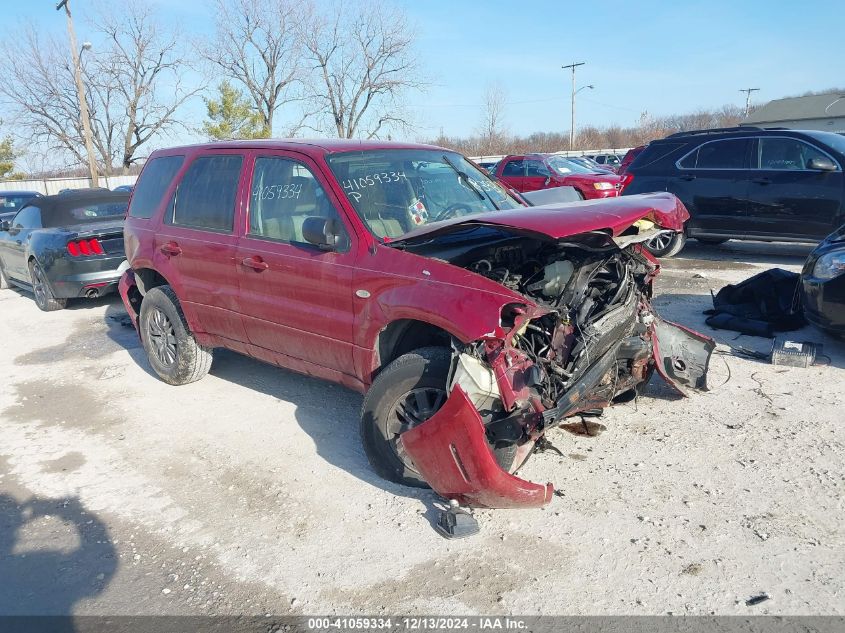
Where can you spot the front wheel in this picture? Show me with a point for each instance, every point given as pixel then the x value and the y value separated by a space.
pixel 405 394
pixel 666 244
pixel 172 350
pixel 44 298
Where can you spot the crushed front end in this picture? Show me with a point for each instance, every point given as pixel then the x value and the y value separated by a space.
pixel 586 337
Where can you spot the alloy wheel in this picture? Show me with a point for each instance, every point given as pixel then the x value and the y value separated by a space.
pixel 39 287
pixel 659 242
pixel 162 337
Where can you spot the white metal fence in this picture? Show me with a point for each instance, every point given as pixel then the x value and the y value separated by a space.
pixel 50 186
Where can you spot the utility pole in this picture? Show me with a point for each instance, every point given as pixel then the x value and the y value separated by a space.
pixel 573 66
pixel 80 91
pixel 748 92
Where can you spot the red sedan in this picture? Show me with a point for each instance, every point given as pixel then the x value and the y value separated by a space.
pixel 544 171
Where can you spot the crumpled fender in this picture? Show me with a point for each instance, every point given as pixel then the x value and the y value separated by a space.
pixel 450 451
pixel 127 281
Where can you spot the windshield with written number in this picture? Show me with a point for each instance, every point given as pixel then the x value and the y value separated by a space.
pixel 396 191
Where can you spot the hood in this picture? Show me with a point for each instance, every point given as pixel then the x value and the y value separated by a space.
pixel 557 221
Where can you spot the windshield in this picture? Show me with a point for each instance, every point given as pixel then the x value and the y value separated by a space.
pixel 566 166
pixel 832 140
pixel 397 190
pixel 13 201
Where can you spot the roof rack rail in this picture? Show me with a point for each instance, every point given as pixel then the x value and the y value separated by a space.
pixel 715 130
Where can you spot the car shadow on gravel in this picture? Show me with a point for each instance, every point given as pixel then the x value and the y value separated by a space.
pixel 327 412
pixel 738 254
pixel 53 553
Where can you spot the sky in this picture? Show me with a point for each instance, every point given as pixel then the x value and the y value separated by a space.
pixel 644 56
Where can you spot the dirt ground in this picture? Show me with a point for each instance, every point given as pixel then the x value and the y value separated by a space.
pixel 248 492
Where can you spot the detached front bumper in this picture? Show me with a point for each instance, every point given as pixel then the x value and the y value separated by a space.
pixel 450 451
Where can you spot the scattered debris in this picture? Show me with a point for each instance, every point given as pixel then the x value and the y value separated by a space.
pixel 762 597
pixel 759 306
pixel 456 522
pixel 793 353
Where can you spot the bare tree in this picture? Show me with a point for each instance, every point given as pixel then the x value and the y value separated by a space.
pixel 362 65
pixel 492 130
pixel 39 93
pixel 257 46
pixel 138 80
pixel 133 81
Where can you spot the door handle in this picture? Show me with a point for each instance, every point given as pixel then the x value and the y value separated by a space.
pixel 256 263
pixel 171 248
pixel 762 181
pixel 686 177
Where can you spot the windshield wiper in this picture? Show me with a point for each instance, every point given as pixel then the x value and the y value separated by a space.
pixel 482 195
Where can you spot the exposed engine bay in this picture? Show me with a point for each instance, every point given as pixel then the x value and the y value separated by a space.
pixel 585 338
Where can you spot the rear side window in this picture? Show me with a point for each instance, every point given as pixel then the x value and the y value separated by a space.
pixel 206 196
pixel 153 183
pixel 727 154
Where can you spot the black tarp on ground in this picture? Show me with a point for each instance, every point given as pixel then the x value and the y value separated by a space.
pixel 761 305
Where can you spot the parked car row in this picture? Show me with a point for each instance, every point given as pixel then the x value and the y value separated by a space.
pixel 532 172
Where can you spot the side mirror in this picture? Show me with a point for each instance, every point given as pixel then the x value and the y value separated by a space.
pixel 547 181
pixel 5 225
pixel 821 163
pixel 326 233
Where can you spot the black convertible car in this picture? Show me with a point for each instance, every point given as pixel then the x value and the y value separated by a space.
pixel 65 246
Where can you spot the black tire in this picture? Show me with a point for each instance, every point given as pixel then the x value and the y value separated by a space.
pixel 666 245
pixel 424 369
pixel 712 241
pixel 4 282
pixel 172 350
pixel 44 298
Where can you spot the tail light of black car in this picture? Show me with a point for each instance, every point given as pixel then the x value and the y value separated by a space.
pixel 85 248
pixel 627 178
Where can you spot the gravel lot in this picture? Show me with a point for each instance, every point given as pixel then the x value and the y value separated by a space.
pixel 249 492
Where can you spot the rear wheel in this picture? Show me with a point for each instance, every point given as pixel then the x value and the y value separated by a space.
pixel 666 244
pixel 172 350
pixel 44 298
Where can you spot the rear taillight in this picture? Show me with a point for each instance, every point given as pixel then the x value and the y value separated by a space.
pixel 83 248
pixel 626 180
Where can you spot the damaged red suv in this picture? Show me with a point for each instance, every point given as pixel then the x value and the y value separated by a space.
pixel 472 323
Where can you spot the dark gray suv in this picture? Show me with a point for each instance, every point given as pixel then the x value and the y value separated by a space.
pixel 746 183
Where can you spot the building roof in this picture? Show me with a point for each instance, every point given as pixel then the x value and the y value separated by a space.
pixel 830 105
